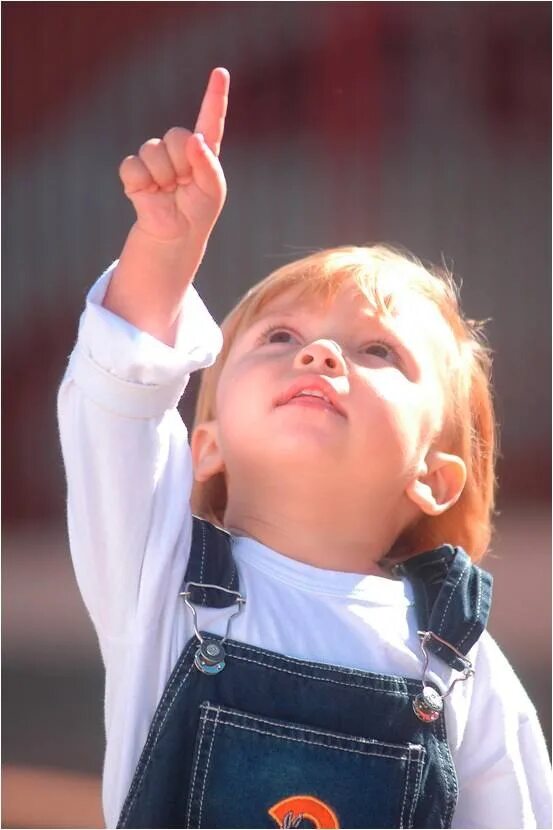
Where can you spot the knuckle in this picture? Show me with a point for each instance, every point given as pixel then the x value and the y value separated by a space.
pixel 128 164
pixel 176 134
pixel 152 145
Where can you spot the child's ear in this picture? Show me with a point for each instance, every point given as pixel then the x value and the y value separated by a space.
pixel 439 483
pixel 206 454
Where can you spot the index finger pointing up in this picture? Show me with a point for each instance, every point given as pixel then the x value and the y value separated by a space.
pixel 211 120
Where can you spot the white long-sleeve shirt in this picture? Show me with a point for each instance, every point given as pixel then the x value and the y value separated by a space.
pixel 129 475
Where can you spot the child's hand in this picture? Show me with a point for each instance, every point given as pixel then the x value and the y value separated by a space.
pixel 176 184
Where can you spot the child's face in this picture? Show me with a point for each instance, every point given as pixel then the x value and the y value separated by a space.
pixel 385 373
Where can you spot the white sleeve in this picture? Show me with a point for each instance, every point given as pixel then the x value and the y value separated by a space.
pixel 127 460
pixel 502 762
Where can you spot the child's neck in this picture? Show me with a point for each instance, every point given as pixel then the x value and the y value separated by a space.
pixel 338 538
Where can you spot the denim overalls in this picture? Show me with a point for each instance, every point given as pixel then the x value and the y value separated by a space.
pixel 245 737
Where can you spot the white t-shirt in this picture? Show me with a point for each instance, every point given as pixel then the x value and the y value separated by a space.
pixel 129 476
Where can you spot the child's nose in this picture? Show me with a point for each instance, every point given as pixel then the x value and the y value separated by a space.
pixel 323 353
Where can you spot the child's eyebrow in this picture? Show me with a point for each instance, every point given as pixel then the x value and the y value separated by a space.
pixel 288 310
pixel 279 313
pixel 275 312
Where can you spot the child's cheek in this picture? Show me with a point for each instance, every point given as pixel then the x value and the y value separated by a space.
pixel 400 414
pixel 240 408
pixel 391 388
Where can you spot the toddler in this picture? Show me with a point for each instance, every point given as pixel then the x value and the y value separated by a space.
pixel 288 607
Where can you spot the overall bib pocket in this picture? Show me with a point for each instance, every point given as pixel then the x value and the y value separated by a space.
pixel 252 771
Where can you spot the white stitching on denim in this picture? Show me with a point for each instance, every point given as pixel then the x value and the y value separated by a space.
pixel 233 568
pixel 232 572
pixel 443 768
pixel 420 764
pixel 454 790
pixel 440 627
pixel 404 682
pixel 174 698
pixel 207 768
pixel 306 741
pixel 158 731
pixel 478 603
pixel 405 787
pixel 309 730
pixel 445 765
pixel 199 752
pixel 153 725
pixel 298 662
pixel 406 685
pixel 155 731
pixel 324 679
pixel 202 560
pixel 286 725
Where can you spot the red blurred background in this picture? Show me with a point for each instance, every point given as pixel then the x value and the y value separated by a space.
pixel 425 125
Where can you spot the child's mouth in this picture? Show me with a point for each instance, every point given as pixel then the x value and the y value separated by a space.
pixel 315 392
pixel 312 402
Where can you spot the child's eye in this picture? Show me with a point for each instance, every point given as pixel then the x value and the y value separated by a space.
pixel 383 350
pixel 275 334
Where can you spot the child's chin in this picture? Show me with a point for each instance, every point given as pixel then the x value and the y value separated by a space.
pixel 302 441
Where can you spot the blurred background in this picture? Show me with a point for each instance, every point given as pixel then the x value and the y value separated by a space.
pixel 425 125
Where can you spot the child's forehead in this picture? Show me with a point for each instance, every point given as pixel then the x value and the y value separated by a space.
pixel 347 295
pixel 318 299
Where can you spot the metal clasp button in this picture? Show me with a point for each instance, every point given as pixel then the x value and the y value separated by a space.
pixel 428 705
pixel 210 655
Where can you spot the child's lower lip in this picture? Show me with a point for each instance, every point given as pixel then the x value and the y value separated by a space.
pixel 313 403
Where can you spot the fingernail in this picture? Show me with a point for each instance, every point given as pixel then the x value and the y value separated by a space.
pixel 201 138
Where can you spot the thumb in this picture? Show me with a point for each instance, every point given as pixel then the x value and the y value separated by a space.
pixel 206 168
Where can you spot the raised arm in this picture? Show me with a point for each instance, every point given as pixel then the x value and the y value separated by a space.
pixel 177 187
pixel 126 454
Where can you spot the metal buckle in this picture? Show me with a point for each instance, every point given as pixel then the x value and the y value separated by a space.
pixel 210 656
pixel 428 704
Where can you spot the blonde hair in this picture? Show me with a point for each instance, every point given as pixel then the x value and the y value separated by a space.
pixel 381 273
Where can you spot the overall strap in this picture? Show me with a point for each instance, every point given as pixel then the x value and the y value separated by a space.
pixel 452 595
pixel 211 563
pixel 452 599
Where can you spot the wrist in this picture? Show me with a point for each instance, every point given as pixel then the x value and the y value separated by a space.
pixel 177 244
pixel 182 254
pixel 149 283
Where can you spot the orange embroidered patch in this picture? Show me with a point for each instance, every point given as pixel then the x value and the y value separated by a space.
pixel 290 811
